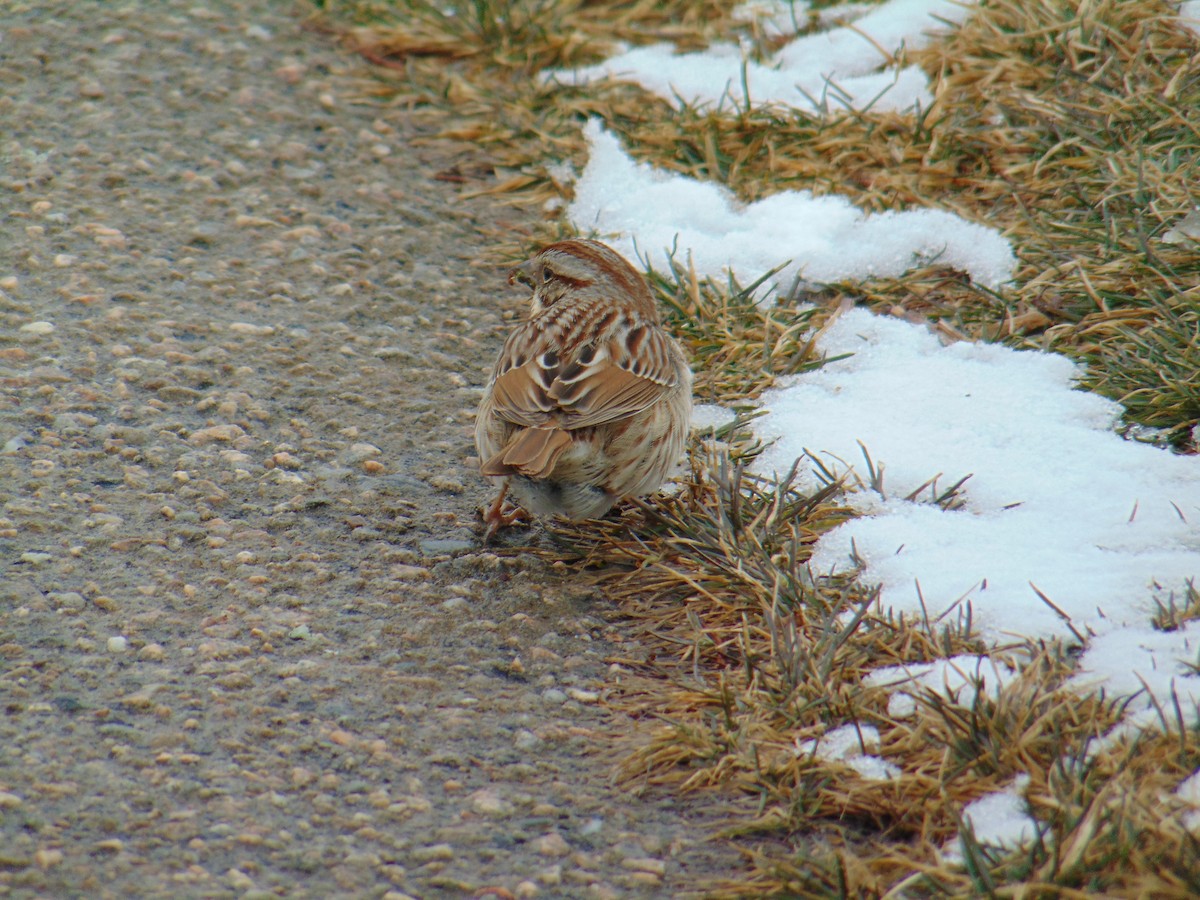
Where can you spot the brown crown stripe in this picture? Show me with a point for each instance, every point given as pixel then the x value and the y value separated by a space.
pixel 613 262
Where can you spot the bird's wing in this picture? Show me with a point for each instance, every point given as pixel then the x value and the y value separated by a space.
pixel 537 383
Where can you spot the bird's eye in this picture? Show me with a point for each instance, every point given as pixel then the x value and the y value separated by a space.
pixel 546 275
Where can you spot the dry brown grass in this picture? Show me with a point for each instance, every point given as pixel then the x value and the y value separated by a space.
pixel 752 655
pixel 1070 126
pixel 1074 128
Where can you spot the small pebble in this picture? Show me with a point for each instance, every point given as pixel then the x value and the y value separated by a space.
pixel 203 436
pixel 447 484
pixel 403 572
pixel 592 826
pixel 48 858
pixel 526 740
pixel 152 652
pixel 117 644
pixel 360 451
pixel 38 328
pixel 436 546
pixel 645 864
pixel 551 844
pixel 433 852
pixel 285 460
pixel 239 880
pixel 72 600
pixel 489 803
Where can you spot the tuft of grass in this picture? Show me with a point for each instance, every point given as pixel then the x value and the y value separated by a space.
pixel 515 37
pixel 1154 368
pixel 740 342
pixel 1170 615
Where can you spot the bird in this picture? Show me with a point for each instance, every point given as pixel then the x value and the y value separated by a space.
pixel 590 399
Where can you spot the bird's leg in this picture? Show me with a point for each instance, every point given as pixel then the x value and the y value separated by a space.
pixel 496 518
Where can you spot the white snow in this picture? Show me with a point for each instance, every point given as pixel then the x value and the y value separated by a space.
pixel 710 417
pixel 834 68
pixel 787 18
pixel 1189 792
pixel 1055 499
pixel 776 18
pixel 1000 819
pixel 1189 15
pixel 959 678
pixel 873 768
pixel 856 746
pixel 826 239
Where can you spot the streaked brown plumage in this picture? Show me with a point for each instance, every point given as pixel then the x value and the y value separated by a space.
pixel 590 400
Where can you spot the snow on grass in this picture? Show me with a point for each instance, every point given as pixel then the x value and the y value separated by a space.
pixel 710 417
pixel 833 68
pixel 1189 792
pixel 779 18
pixel 787 18
pixel 1063 529
pixel 1189 15
pixel 1057 505
pixel 827 239
pixel 1000 819
pixel 959 677
pixel 855 746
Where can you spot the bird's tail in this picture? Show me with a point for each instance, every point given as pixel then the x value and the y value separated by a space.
pixel 532 452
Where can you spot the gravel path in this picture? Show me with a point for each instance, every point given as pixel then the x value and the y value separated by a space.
pixel 249 643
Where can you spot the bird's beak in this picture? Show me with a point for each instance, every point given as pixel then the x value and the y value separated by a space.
pixel 522 274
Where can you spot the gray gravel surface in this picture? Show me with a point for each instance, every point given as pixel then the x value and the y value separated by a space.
pixel 250 645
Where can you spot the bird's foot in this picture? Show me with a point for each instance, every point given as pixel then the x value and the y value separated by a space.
pixel 497 516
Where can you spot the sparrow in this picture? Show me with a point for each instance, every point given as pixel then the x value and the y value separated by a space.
pixel 590 399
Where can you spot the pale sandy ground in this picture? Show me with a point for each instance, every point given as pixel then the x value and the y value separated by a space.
pixel 249 643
